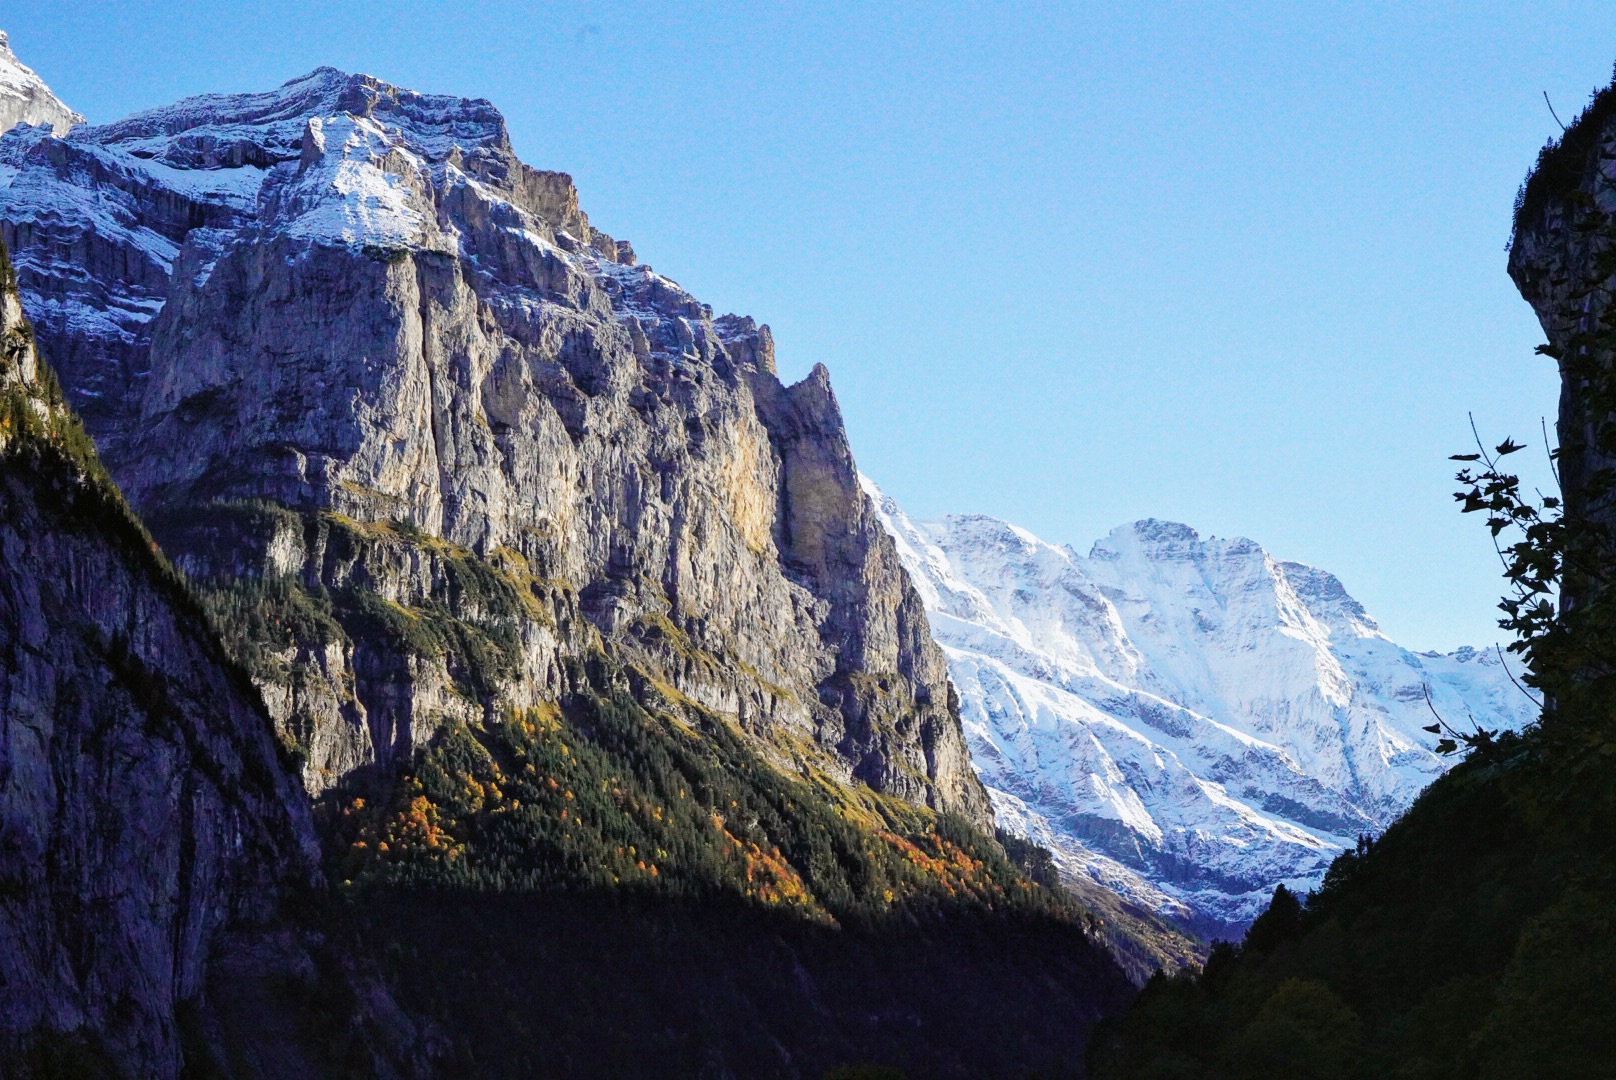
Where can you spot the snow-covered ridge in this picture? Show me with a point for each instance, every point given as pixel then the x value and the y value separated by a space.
pixel 25 99
pixel 345 144
pixel 434 123
pixel 1188 720
pixel 106 222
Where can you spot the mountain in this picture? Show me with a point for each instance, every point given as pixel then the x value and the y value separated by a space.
pixel 353 303
pixel 619 721
pixel 1472 940
pixel 25 99
pixel 1188 721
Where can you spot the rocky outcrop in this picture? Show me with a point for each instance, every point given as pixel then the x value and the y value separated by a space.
pixel 1561 260
pixel 25 99
pixel 337 339
pixel 150 829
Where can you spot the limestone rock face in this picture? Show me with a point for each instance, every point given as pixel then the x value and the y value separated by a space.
pixel 147 816
pixel 337 336
pixel 25 99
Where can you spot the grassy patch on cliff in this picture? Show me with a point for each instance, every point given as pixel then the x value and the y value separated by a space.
pixel 271 620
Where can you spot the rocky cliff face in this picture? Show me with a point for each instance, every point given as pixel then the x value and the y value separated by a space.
pixel 342 348
pixel 1561 260
pixel 25 99
pixel 149 822
pixel 1187 720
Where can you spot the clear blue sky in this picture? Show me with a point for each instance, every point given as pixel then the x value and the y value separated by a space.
pixel 1238 265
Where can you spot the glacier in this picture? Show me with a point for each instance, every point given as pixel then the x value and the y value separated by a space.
pixel 1186 720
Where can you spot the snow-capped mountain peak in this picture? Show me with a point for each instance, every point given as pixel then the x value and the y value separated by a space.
pixel 1186 719
pixel 330 159
pixel 25 99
